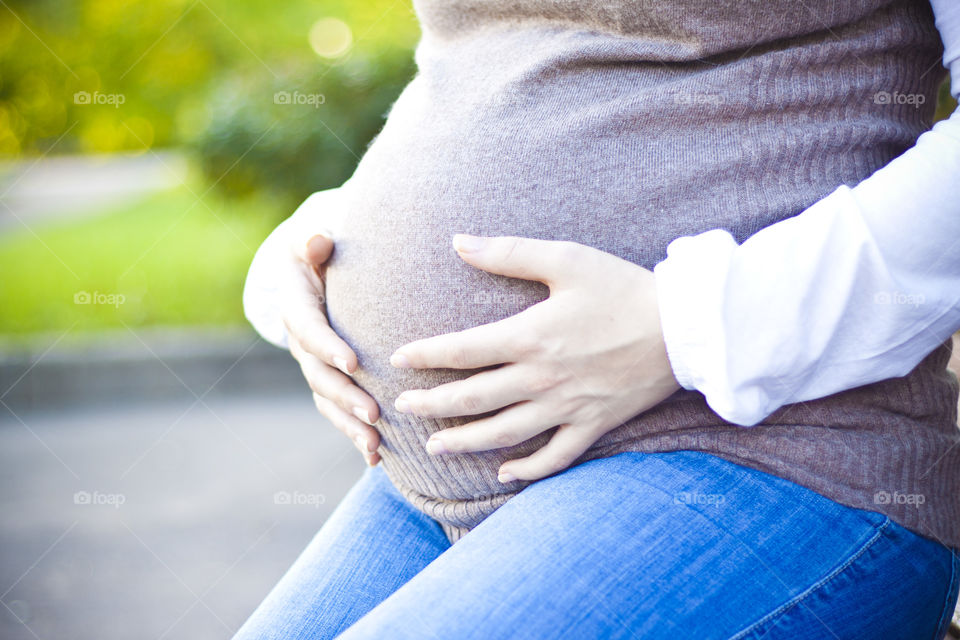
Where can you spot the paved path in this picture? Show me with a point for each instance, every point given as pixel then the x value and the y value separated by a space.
pixel 199 537
pixel 63 187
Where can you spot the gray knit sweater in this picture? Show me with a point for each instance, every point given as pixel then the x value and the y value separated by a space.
pixel 623 125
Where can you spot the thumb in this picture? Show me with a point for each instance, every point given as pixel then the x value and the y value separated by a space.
pixel 318 248
pixel 311 240
pixel 310 243
pixel 546 261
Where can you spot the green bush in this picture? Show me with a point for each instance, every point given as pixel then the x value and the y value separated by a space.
pixel 303 129
pixel 945 102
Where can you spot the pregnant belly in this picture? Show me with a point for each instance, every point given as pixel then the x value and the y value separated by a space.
pixel 396 278
pixel 619 183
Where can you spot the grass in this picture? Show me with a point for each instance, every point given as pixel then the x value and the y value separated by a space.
pixel 171 259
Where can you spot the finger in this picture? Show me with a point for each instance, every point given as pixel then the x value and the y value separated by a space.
pixel 304 316
pixel 311 240
pixel 482 346
pixel 308 327
pixel 319 248
pixel 365 438
pixel 336 386
pixel 566 445
pixel 506 428
pixel 547 261
pixel 482 392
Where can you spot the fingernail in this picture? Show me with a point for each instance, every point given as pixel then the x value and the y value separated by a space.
pixel 402 405
pixel 370 462
pixel 505 477
pixel 399 361
pixel 464 242
pixel 322 233
pixel 341 364
pixel 362 414
pixel 435 447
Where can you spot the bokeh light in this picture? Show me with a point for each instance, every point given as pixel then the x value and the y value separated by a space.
pixel 330 37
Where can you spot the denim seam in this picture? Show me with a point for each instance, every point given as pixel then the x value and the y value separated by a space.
pixel 947 611
pixel 816 586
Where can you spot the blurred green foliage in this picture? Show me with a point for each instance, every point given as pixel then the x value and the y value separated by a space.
pixel 945 102
pixel 112 75
pixel 301 131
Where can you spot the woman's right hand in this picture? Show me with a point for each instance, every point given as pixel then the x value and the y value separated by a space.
pixel 325 359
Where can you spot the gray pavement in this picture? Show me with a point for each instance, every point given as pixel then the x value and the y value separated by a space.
pixel 60 188
pixel 162 519
pixel 157 488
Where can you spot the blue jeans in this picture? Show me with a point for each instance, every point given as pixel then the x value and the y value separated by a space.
pixel 653 546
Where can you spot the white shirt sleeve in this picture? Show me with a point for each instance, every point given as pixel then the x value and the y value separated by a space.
pixel 272 267
pixel 858 288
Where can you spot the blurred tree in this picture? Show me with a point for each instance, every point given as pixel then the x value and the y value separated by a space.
pixel 128 75
pixel 945 103
pixel 300 131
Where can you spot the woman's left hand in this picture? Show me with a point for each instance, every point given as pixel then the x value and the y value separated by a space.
pixel 586 359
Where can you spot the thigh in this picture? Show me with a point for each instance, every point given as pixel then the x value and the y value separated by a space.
pixel 671 545
pixel 372 544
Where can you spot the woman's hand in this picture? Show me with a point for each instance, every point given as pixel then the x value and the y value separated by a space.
pixel 325 359
pixel 587 359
